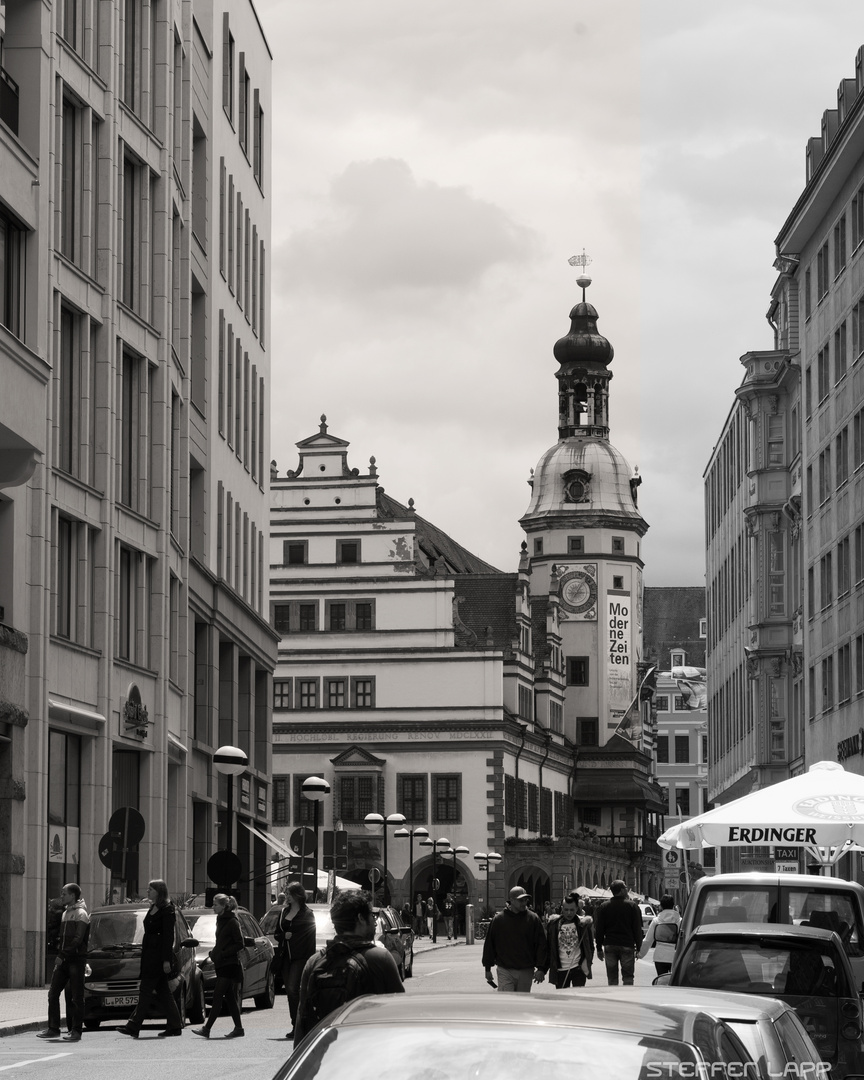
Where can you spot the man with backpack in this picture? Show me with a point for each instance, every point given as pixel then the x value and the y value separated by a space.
pixel 348 966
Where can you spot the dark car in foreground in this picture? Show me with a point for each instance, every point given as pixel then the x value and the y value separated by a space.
pixel 769 1029
pixel 805 967
pixel 514 1036
pixel 256 959
pixel 112 975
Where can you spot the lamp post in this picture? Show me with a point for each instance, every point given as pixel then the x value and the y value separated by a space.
pixel 489 858
pixel 461 850
pixel 316 790
pixel 434 844
pixel 373 823
pixel 230 761
pixel 421 833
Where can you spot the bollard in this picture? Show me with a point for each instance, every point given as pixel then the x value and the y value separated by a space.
pixel 469 924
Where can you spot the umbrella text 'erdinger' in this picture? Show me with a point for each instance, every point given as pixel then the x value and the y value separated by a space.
pixel 742 834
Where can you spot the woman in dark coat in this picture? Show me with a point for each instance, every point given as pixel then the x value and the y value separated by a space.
pixel 229 973
pixel 158 964
pixel 296 936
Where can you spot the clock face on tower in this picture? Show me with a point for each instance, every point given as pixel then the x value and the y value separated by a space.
pixel 578 591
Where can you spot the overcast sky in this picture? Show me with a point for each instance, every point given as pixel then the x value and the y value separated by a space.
pixel 434 167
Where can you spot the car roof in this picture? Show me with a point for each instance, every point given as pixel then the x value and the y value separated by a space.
pixel 187 911
pixel 723 1003
pixel 643 1015
pixel 776 931
pixel 755 877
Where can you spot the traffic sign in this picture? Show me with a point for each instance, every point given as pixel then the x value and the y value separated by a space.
pixel 224 867
pixel 374 875
pixel 303 841
pixel 672 857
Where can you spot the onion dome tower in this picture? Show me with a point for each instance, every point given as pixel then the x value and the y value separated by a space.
pixel 583 530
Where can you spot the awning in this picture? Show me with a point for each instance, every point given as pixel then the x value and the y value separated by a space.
pixel 76 714
pixel 176 749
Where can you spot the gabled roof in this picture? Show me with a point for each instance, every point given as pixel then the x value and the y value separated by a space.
pixel 432 541
pixel 356 755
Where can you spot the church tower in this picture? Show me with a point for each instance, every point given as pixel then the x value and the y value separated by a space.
pixel 583 531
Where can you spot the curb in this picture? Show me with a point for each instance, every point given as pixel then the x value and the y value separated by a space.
pixel 21 1027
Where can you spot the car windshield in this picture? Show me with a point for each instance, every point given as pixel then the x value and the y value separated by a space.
pixel 761 967
pixel 205 927
pixel 488 1052
pixel 271 920
pixel 114 929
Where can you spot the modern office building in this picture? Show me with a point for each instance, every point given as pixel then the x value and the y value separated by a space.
pixel 134 346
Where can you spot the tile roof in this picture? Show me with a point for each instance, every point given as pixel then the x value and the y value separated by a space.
pixel 488 601
pixel 433 542
pixel 671 618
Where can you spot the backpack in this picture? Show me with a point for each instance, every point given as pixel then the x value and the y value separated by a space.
pixel 666 933
pixel 343 975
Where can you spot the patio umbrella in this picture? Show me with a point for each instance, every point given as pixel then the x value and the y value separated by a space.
pixel 821 810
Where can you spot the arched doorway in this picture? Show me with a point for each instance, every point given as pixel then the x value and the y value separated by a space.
pixel 462 887
pixel 535 881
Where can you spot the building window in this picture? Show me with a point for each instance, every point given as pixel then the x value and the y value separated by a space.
pixel 533 808
pixel 258 142
pixel 859 554
pixel 825 477
pixel 411 797
pixel 822 272
pixel 823 375
pixel 133 606
pixel 826 581
pixel 356 798
pixel 349 615
pixel 575 545
pixel 243 104
pixel 556 716
pixel 304 809
pixel 131 235
pixel 617 582
pixel 307 693
pixel 840 246
pixel 526 695
pixel 227 69
pixel 775 455
pixel 662 749
pixel 841 457
pixel 591 816
pixel 307 618
pixel 844 569
pixel 618 544
pixel 295 552
pixel 844 673
pixel 362 693
pixel 64 808
pixel 682 801
pixel 588 731
pixel 828 683
pixel 859 664
pixel 364 614
pixel 662 703
pixel 578 671
pixel 281 800
pixel 776 573
pixel 447 798
pixel 840 353
pixel 858 218
pixel 12 250
pixel 347 552
pixel 335 691
pixel 679 704
pixel 682 749
pixel 335 615
pixel 538 545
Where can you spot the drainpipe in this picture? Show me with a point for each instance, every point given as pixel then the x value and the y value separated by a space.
pixel 524 730
pixel 548 739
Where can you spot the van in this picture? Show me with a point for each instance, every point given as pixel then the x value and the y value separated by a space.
pixel 794 899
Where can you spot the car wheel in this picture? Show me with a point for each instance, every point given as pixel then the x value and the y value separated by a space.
pixel 92 1025
pixel 266 1000
pixel 196 1009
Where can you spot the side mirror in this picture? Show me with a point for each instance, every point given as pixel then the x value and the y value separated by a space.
pixel 662 980
pixel 189 943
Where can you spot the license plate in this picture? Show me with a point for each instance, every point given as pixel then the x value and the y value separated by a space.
pixel 120 1002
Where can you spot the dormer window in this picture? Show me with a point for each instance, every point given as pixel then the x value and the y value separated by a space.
pixel 576 486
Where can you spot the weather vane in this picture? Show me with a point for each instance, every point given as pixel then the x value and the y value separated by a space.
pixel 584 261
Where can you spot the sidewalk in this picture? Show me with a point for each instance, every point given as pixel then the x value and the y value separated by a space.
pixel 27 1010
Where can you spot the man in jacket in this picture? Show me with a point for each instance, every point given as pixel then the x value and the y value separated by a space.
pixel 570 943
pixel 516 944
pixel 618 931
pixel 354 921
pixel 68 971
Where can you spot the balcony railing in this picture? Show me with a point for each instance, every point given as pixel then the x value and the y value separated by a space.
pixel 8 101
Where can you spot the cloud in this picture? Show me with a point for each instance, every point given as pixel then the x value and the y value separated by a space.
pixel 386 231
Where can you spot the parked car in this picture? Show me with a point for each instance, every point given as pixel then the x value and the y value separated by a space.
pixel 805 967
pixel 256 959
pixel 647 911
pixel 112 975
pixel 770 1030
pixel 511 1036
pixel 790 899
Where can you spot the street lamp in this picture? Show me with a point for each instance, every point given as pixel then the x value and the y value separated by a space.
pixel 421 833
pixel 373 823
pixel 230 761
pixel 316 790
pixel 434 844
pixel 461 850
pixel 487 858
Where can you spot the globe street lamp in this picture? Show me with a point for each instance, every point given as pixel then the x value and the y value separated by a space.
pixel 461 850
pixel 373 823
pixel 486 859
pixel 421 833
pixel 435 844
pixel 230 761
pixel 316 790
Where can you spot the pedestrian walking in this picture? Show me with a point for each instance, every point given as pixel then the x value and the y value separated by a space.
pixel 419 915
pixel 515 943
pixel 570 945
pixel 295 933
pixel 431 915
pixel 618 933
pixel 348 966
pixel 662 933
pixel 68 973
pixel 158 964
pixel 450 915
pixel 229 974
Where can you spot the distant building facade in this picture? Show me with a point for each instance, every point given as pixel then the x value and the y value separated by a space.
pixel 134 351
